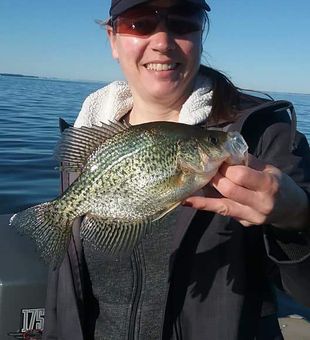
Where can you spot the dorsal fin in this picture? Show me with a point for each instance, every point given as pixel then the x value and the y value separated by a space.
pixel 77 144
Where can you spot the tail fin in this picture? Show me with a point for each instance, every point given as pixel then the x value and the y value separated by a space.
pixel 47 227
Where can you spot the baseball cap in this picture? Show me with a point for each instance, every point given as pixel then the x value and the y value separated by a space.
pixel 119 6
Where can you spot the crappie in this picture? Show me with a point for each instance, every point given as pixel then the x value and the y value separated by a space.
pixel 131 176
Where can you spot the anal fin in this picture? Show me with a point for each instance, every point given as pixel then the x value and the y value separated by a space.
pixel 113 237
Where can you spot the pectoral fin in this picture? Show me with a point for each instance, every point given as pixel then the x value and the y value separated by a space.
pixel 165 212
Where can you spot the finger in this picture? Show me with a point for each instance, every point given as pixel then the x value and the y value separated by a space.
pixel 235 192
pixel 255 180
pixel 226 207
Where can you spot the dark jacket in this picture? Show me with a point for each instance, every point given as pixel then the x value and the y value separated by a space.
pixel 221 274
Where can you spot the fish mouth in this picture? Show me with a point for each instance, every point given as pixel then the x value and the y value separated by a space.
pixel 237 147
pixel 159 67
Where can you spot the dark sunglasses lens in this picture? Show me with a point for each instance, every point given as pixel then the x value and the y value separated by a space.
pixel 143 21
pixel 138 26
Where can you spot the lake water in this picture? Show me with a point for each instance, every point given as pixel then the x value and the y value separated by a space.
pixel 29 113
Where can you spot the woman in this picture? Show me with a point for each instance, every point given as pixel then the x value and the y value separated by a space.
pixel 205 274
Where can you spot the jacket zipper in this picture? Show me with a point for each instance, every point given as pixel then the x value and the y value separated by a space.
pixel 137 294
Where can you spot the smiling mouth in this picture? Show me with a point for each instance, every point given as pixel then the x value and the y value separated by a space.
pixel 161 67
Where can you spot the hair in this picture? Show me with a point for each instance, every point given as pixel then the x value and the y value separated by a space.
pixel 226 96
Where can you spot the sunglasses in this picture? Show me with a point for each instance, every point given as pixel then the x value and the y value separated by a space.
pixel 143 21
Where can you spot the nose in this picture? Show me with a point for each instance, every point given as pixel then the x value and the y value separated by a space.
pixel 162 40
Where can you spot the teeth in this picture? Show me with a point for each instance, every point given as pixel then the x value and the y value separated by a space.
pixel 161 67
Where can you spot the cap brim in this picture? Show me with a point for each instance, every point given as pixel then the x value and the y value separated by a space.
pixel 122 6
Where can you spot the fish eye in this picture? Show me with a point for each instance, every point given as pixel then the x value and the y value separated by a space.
pixel 213 140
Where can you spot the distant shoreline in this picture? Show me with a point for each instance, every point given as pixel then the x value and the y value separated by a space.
pixel 17 75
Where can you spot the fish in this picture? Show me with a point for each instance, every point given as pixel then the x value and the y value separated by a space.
pixel 130 177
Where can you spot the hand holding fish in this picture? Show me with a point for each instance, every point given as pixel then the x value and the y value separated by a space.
pixel 255 195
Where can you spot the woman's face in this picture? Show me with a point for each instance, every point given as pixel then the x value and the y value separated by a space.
pixel 160 66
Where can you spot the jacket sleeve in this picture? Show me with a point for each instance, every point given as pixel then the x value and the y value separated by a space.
pixel 62 318
pixel 289 250
pixel 64 291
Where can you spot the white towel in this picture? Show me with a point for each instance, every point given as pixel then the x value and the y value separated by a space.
pixel 114 101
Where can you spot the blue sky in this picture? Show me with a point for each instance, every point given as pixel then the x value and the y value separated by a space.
pixel 263 45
